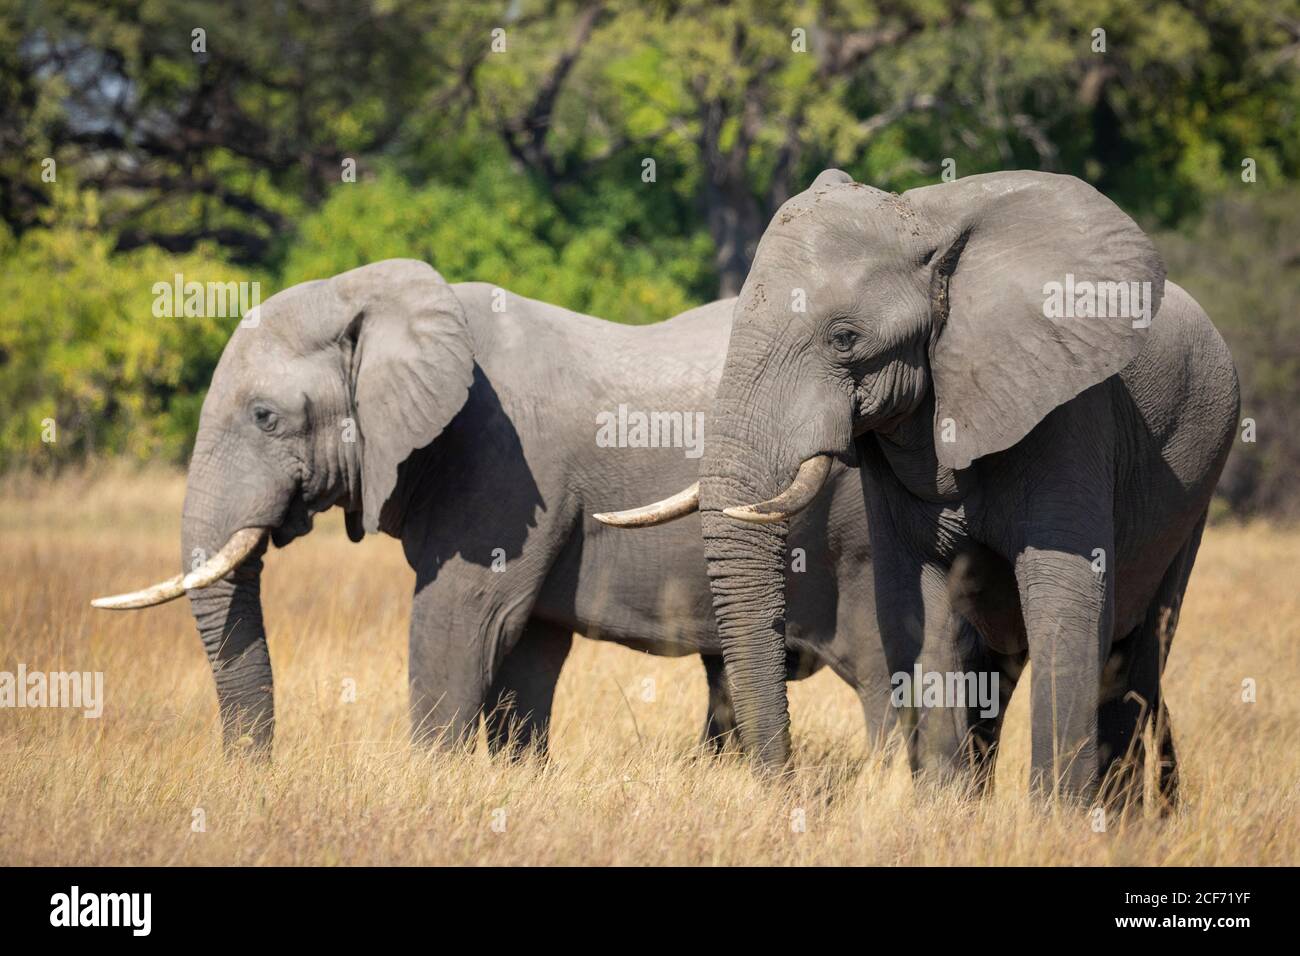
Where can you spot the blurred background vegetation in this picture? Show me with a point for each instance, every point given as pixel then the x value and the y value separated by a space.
pixel 524 165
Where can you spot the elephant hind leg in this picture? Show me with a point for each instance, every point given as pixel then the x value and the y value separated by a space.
pixel 1132 698
pixel 720 721
pixel 1131 692
pixel 1167 782
pixel 520 700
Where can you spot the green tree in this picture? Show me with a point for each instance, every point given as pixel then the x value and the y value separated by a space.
pixel 500 228
pixel 81 347
pixel 1241 261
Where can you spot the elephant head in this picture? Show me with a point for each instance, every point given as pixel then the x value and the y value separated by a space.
pixel 320 395
pixel 865 310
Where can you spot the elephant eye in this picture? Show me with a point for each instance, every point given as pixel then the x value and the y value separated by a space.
pixel 843 340
pixel 264 418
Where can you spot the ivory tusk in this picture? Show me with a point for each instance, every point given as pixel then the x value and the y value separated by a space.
pixel 809 480
pixel 661 512
pixel 231 555
pixel 159 593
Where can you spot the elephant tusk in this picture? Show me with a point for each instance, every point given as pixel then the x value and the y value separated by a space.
pixel 809 480
pixel 661 512
pixel 231 555
pixel 159 593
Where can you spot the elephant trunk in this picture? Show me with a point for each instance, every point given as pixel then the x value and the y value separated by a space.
pixel 228 614
pixel 746 565
pixel 747 575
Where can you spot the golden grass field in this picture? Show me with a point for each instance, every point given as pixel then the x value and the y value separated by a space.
pixel 626 783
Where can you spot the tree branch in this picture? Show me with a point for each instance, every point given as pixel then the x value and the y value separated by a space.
pixel 248 246
pixel 841 52
pixel 1032 131
pixel 170 185
pixel 913 104
pixel 525 136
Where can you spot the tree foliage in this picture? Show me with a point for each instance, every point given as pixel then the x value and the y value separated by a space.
pixel 612 156
pixel 1241 261
pixel 86 368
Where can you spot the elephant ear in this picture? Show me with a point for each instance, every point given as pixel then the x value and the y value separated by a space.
pixel 411 364
pixel 1003 354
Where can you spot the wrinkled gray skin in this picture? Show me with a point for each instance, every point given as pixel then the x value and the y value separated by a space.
pixel 476 443
pixel 1066 436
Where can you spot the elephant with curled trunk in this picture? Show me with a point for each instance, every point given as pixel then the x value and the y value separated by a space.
pixel 1033 407
pixel 465 421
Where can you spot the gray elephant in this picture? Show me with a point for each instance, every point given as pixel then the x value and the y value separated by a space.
pixel 1033 406
pixel 463 420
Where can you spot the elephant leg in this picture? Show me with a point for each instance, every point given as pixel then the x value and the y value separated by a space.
pixel 952 734
pixel 447 690
pixel 864 670
pixel 720 721
pixel 1167 780
pixel 1132 697
pixel 986 680
pixel 1068 612
pixel 519 703
pixel 1131 691
pixel 854 653
pixel 456 648
pixel 1067 616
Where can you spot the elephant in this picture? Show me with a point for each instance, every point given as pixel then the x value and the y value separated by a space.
pixel 462 419
pixel 1039 419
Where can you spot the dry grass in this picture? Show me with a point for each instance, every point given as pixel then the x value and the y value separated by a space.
pixel 626 784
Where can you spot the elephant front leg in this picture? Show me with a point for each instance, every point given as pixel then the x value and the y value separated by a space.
pixel 448 691
pixel 1067 601
pixel 958 687
pixel 520 701
pixel 455 650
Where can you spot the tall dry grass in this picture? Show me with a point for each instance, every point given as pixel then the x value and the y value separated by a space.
pixel 626 784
